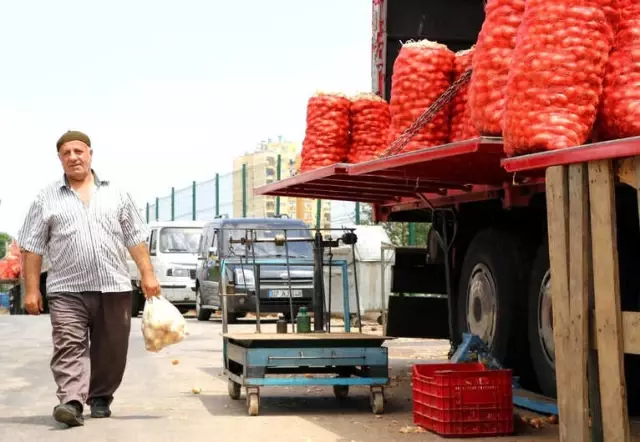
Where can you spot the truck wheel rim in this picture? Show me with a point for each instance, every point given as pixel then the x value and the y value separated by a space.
pixel 545 319
pixel 198 301
pixel 482 304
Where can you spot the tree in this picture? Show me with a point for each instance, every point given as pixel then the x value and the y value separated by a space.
pixel 398 232
pixel 5 240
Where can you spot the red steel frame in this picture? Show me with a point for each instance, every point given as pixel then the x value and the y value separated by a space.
pixel 448 175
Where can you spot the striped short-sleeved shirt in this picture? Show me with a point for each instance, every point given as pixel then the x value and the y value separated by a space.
pixel 86 244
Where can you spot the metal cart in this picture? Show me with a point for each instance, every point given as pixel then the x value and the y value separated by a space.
pixel 318 358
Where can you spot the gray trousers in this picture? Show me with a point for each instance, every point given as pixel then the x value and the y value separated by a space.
pixel 90 332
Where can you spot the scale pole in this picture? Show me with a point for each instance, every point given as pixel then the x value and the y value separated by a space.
pixel 318 285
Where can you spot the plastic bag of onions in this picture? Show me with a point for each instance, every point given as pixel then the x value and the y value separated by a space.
pixel 369 127
pixel 620 101
pixel 326 140
pixel 556 74
pixel 491 59
pixel 421 73
pixel 162 324
pixel 462 126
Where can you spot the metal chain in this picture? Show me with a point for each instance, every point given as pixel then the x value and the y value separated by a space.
pixel 426 116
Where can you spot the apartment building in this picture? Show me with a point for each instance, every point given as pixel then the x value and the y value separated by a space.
pixel 261 168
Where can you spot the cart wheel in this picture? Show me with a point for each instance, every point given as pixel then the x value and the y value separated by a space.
pixel 341 391
pixel 234 389
pixel 253 404
pixel 377 402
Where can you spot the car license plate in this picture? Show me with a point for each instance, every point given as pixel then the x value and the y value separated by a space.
pixel 285 293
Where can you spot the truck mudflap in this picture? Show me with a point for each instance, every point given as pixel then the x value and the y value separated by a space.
pixel 417 317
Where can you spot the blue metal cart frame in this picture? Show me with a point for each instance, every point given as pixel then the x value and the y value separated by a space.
pixel 253 360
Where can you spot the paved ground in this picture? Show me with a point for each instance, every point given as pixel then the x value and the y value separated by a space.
pixel 156 402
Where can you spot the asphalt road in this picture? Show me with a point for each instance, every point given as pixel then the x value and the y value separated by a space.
pixel 156 400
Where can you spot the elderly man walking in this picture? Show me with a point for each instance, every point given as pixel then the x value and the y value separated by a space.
pixel 85 225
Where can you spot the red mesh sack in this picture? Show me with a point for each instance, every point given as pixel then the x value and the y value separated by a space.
pixel 620 101
pixel 556 74
pixel 369 127
pixel 421 73
pixel 462 126
pixel 10 265
pixel 326 139
pixel 491 59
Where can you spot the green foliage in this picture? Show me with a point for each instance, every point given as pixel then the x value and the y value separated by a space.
pixel 398 232
pixel 5 240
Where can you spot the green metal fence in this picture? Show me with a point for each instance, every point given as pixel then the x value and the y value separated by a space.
pixel 232 194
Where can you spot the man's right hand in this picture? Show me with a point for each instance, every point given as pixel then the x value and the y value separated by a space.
pixel 33 302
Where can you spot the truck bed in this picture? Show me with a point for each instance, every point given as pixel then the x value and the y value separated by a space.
pixel 466 171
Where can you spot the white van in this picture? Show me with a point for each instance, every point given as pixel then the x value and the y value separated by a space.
pixel 173 246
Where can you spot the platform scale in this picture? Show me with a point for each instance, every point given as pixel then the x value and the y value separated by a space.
pixel 318 358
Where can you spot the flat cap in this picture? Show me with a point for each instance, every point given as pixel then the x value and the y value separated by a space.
pixel 73 135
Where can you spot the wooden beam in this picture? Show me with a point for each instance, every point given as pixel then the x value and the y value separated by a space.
pixel 557 194
pixel 630 332
pixel 577 351
pixel 608 317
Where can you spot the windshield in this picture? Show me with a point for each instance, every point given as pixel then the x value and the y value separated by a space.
pixel 269 249
pixel 179 239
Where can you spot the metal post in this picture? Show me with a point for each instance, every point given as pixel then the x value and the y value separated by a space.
pixel 357 213
pixel 318 284
pixel 217 194
pixel 278 177
pixel 147 213
pixel 193 201
pixel 244 190
pixel 157 209
pixel 318 213
pixel 173 204
pixel 412 234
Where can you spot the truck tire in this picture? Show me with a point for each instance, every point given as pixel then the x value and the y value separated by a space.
pixel 201 314
pixel 492 283
pixel 137 303
pixel 540 323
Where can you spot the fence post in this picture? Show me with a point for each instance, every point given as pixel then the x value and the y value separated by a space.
pixel 412 234
pixel 357 213
pixel 244 190
pixel 278 177
pixel 193 201
pixel 147 213
pixel 318 213
pixel 173 204
pixel 157 209
pixel 217 194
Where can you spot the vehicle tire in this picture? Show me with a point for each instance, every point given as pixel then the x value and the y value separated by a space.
pixel 540 323
pixel 201 314
pixel 136 303
pixel 490 303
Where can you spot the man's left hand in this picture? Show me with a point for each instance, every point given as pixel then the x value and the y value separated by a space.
pixel 150 286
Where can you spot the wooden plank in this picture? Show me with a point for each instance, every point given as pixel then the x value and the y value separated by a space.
pixel 303 336
pixel 630 333
pixel 608 317
pixel 557 194
pixel 626 171
pixel 577 386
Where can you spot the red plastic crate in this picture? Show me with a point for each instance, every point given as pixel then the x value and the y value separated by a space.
pixel 463 399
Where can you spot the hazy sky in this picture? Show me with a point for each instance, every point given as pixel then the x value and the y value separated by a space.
pixel 168 91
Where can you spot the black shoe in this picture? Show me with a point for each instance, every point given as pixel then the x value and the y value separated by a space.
pixel 100 408
pixel 69 414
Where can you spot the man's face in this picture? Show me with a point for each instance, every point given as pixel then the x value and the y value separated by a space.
pixel 75 157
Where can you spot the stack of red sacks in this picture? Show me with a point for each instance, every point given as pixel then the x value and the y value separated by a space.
pixel 10 265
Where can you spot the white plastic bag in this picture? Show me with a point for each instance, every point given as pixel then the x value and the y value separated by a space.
pixel 162 324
